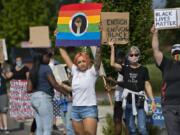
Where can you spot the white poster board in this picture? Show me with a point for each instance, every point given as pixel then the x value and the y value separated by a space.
pixel 60 72
pixel 165 18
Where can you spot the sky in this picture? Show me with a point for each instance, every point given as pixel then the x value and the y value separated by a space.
pixel 159 4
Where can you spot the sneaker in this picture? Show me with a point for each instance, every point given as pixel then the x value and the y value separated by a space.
pixel 6 131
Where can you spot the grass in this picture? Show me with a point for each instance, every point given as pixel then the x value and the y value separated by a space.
pixel 155 78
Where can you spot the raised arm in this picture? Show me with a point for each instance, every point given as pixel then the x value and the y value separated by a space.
pixel 155 46
pixel 112 58
pixel 66 58
pixel 97 61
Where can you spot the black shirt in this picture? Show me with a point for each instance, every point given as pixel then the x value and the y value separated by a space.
pixel 134 78
pixel 3 89
pixel 21 74
pixel 171 77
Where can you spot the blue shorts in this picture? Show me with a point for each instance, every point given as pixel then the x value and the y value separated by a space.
pixel 79 113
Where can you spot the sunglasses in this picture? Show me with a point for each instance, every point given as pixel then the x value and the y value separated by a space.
pixel 131 55
pixel 82 61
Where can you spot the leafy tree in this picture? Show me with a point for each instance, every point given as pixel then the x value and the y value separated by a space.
pixel 17 16
pixel 140 23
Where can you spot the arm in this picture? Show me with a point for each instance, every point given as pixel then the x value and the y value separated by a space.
pixel 27 75
pixel 148 89
pixel 97 62
pixel 29 86
pixel 66 58
pixel 155 46
pixel 112 58
pixel 61 88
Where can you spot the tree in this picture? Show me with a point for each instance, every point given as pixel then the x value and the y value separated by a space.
pixel 17 16
pixel 141 17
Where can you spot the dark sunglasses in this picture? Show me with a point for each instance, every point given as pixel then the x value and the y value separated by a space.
pixel 131 55
pixel 82 61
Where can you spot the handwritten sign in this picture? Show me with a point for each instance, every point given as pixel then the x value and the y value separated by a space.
pixel 19 100
pixel 115 26
pixel 165 18
pixel 156 118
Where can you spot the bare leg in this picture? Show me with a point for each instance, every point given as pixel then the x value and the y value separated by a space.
pixel 4 120
pixel 118 128
pixel 90 126
pixel 1 122
pixel 78 127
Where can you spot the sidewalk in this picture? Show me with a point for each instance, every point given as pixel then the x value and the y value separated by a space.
pixel 17 128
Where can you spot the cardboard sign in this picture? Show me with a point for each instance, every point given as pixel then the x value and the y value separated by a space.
pixel 3 51
pixel 156 118
pixel 165 18
pixel 115 26
pixel 39 37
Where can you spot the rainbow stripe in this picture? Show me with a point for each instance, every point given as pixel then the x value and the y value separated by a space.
pixel 90 36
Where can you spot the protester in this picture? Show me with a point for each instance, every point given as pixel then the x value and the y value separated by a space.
pixel 136 84
pixel 170 69
pixel 67 114
pixel 19 101
pixel 41 83
pixel 20 71
pixel 118 110
pixel 84 105
pixel 3 102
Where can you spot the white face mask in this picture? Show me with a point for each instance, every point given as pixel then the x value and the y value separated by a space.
pixel 133 59
pixel 19 63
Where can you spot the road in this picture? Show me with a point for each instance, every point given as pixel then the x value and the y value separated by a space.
pixel 18 128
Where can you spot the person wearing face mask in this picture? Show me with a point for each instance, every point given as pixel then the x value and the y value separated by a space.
pixel 20 71
pixel 19 101
pixel 84 112
pixel 136 84
pixel 170 93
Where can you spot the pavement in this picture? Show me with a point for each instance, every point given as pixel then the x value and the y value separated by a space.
pixel 23 128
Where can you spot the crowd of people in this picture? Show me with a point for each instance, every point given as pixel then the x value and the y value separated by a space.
pixel 47 95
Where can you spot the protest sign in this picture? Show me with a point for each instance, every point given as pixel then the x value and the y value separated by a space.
pixel 60 73
pixel 78 25
pixel 115 26
pixel 19 100
pixel 39 37
pixel 156 118
pixel 165 18
pixel 3 51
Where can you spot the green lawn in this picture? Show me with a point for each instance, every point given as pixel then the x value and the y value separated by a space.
pixel 156 78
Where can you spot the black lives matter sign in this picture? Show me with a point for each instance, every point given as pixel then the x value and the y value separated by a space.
pixel 166 18
pixel 115 26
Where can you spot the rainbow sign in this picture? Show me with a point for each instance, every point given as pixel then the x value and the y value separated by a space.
pixel 78 25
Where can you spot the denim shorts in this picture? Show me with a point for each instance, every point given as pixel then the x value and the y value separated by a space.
pixel 81 112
